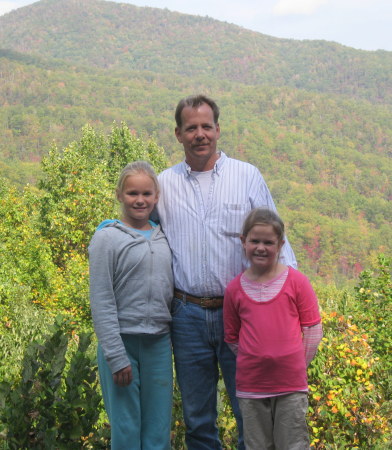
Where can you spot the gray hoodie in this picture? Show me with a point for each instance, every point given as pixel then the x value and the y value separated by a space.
pixel 131 287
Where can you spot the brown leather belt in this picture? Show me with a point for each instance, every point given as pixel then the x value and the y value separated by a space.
pixel 204 302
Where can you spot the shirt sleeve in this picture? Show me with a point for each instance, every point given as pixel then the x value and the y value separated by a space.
pixel 231 319
pixel 103 302
pixel 311 339
pixel 260 197
pixel 307 303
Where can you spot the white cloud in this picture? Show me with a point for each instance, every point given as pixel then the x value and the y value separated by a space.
pixel 7 7
pixel 284 7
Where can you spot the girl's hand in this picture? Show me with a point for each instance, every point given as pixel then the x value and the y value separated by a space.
pixel 123 377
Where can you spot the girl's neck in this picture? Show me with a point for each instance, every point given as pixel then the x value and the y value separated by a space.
pixel 142 225
pixel 262 276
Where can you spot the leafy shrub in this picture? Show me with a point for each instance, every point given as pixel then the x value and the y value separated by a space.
pixel 345 401
pixel 25 258
pixel 56 403
pixel 21 322
pixel 373 307
pixel 70 292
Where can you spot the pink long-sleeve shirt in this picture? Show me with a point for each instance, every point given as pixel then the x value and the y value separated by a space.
pixel 271 355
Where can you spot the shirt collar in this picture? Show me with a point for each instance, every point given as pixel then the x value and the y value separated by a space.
pixel 217 167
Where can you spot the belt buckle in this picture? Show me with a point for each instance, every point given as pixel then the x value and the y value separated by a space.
pixel 202 300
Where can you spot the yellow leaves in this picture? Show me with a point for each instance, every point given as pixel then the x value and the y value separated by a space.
pixel 331 395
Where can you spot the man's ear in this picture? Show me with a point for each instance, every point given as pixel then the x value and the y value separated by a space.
pixel 218 129
pixel 177 132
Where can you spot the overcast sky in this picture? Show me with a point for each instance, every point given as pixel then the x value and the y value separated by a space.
pixel 362 24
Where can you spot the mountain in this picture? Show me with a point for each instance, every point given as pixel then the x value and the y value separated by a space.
pixel 115 36
pixel 314 116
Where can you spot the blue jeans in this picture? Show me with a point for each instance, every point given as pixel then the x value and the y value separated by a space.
pixel 198 346
pixel 140 414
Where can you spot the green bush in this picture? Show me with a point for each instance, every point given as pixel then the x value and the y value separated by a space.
pixel 21 322
pixel 373 307
pixel 56 403
pixel 70 292
pixel 345 399
pixel 25 258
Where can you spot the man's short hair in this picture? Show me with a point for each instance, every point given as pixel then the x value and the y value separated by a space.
pixel 194 101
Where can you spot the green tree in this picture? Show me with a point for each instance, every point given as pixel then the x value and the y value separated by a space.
pixel 25 258
pixel 78 185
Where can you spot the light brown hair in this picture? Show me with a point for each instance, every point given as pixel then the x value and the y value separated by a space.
pixel 262 216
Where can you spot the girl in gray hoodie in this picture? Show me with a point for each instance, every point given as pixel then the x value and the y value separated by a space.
pixel 131 288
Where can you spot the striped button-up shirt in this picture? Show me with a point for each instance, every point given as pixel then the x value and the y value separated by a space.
pixel 204 238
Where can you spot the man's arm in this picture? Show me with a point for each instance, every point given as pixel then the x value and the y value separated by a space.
pixel 260 197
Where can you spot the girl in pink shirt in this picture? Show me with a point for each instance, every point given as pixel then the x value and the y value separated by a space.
pixel 272 323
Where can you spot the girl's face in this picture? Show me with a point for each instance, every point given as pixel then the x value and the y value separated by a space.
pixel 262 247
pixel 138 197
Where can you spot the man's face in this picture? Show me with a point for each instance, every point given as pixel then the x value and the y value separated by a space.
pixel 199 135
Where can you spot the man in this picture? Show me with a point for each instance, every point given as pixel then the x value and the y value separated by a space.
pixel 203 203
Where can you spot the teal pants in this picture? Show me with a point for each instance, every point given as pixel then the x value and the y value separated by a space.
pixel 140 414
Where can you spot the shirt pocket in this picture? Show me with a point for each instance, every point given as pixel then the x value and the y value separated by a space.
pixel 232 219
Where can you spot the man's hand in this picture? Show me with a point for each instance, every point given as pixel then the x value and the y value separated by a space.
pixel 123 377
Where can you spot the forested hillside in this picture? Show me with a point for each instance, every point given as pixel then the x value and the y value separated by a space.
pixel 120 36
pixel 315 117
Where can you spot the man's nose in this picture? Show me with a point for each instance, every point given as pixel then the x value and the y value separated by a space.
pixel 199 133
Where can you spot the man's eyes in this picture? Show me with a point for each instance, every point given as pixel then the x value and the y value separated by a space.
pixel 205 127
